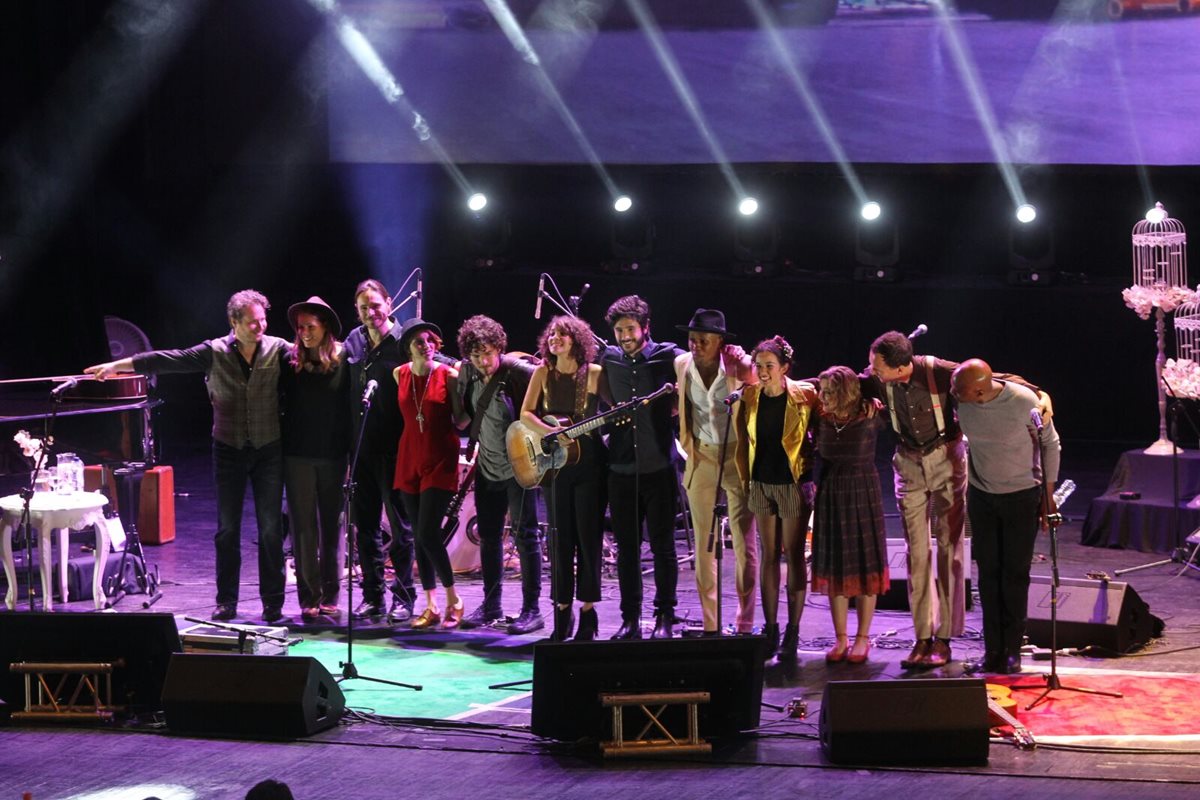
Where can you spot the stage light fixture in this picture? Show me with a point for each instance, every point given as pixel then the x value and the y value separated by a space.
pixel 622 204
pixel 1031 252
pixel 1156 215
pixel 1026 213
pixel 871 211
pixel 477 202
pixel 631 241
pixel 748 206
pixel 876 247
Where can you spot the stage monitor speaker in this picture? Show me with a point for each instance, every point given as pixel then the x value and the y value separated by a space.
pixel 928 721
pixel 1104 614
pixel 241 695
pixel 569 677
pixel 896 597
pixel 140 645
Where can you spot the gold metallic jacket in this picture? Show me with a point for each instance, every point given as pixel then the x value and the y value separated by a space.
pixel 801 399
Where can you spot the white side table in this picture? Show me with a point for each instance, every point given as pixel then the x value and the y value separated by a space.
pixel 49 512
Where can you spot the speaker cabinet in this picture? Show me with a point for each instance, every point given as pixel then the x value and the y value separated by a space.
pixel 568 678
pixel 156 512
pixel 896 597
pixel 1105 614
pixel 922 721
pixel 239 695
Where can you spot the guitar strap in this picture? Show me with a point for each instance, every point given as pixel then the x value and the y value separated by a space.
pixel 581 386
pixel 480 408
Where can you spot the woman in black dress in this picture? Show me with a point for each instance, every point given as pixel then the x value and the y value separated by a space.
pixel 849 545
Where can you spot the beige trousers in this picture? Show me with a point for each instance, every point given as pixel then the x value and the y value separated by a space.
pixel 931 493
pixel 701 491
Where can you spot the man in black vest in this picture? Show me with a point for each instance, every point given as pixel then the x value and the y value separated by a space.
pixel 493 387
pixel 242 373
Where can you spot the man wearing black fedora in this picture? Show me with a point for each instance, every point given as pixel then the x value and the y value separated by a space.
pixel 705 378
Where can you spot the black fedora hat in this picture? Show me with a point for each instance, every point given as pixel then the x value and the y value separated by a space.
pixel 320 309
pixel 708 320
pixel 413 326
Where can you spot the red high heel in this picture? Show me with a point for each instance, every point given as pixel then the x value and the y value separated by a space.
pixel 838 653
pixel 859 658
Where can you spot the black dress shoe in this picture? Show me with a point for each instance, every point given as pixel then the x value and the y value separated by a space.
pixel 664 626
pixel 481 617
pixel 1009 665
pixel 630 629
pixel 529 621
pixel 225 612
pixel 589 623
pixel 369 610
pixel 790 643
pixel 272 614
pixel 771 632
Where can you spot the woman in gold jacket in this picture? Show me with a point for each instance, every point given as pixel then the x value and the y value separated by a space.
pixel 774 458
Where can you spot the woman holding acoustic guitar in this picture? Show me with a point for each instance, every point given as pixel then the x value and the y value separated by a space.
pixel 563 391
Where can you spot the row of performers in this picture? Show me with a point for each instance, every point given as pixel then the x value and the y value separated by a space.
pixel 282 416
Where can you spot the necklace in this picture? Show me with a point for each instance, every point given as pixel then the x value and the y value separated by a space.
pixel 419 401
pixel 837 429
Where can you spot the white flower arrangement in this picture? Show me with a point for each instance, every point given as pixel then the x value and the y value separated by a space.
pixel 1144 299
pixel 30 447
pixel 1181 378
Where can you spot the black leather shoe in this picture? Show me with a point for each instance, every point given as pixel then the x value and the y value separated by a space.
pixel 790 643
pixel 400 612
pixel 529 621
pixel 369 610
pixel 224 612
pixel 480 617
pixel 272 614
pixel 664 626
pixel 630 629
pixel 589 623
pixel 1010 665
pixel 564 623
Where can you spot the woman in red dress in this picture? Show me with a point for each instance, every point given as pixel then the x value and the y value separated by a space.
pixel 427 462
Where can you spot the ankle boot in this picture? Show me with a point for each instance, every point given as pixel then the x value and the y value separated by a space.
pixel 589 623
pixel 771 632
pixel 564 623
pixel 791 641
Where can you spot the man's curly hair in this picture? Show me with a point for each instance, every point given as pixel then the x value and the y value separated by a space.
pixel 479 332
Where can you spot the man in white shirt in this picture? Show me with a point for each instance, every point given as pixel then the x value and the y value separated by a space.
pixel 705 377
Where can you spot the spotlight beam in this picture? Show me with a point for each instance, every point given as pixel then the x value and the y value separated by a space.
pixel 978 96
pixel 666 59
pixel 800 84
pixel 520 42
pixel 368 60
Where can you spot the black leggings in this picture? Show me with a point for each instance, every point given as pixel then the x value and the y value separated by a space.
pixel 427 511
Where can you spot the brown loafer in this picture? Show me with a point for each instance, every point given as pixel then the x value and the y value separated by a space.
pixel 454 616
pixel 939 653
pixel 428 619
pixel 919 655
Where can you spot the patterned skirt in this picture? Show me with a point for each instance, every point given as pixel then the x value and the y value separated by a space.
pixel 849 545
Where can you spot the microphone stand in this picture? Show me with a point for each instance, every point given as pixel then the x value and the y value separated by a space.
pixel 349 671
pixel 28 492
pixel 716 543
pixel 568 306
pixel 1051 681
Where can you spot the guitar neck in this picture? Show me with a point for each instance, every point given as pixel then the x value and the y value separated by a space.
pixel 589 425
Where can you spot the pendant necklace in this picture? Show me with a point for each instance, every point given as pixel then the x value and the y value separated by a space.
pixel 419 402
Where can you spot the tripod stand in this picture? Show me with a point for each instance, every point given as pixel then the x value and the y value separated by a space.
pixel 349 671
pixel 1052 681
pixel 145 581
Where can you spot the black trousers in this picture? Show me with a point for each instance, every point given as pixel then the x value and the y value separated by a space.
pixel 262 469
pixel 427 511
pixel 493 500
pixel 1003 529
pixel 651 499
pixel 575 505
pixel 372 498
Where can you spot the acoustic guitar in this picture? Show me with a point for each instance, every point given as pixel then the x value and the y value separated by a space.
pixel 534 454
pixel 1002 711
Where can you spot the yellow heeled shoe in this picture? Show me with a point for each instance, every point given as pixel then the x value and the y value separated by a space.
pixel 428 619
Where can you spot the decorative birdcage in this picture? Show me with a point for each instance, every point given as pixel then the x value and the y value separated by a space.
pixel 1160 287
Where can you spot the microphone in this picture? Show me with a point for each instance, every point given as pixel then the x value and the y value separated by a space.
pixel 420 293
pixel 732 398
pixel 537 311
pixel 1035 417
pixel 584 290
pixel 920 330
pixel 372 385
pixel 65 386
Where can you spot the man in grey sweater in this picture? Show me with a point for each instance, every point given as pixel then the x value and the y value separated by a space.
pixel 1013 454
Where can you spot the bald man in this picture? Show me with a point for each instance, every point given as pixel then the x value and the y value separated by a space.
pixel 1007 481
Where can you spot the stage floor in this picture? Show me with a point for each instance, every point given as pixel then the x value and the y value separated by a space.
pixel 457 736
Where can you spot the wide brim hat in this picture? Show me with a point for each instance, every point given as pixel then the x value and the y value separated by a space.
pixel 707 320
pixel 320 309
pixel 414 326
